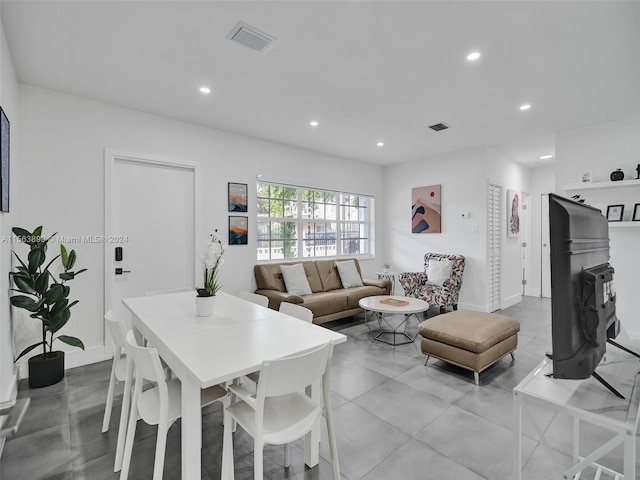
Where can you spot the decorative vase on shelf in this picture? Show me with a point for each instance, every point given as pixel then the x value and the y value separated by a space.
pixel 205 306
pixel 617 175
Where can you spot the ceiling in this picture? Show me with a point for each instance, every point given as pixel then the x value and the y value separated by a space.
pixel 367 71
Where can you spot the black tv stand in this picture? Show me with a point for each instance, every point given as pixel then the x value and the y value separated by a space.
pixel 621 347
pixel 607 384
pixel 596 375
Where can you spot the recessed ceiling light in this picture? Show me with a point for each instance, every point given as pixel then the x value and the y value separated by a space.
pixel 545 157
pixel 526 106
pixel 473 56
pixel 205 90
pixel 314 123
pixel 380 144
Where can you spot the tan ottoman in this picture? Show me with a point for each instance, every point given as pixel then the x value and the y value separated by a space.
pixel 471 340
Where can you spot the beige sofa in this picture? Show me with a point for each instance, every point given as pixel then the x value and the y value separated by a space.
pixel 329 300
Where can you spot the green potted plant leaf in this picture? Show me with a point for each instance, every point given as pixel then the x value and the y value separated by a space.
pixel 47 299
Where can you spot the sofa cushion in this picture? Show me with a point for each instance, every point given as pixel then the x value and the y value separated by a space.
pixel 438 271
pixel 349 275
pixel 269 277
pixel 326 303
pixel 354 295
pixel 295 279
pixel 329 276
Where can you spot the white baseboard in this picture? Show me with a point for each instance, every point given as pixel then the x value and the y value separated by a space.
pixel 633 335
pixel 476 308
pixel 13 393
pixel 74 358
pixel 511 301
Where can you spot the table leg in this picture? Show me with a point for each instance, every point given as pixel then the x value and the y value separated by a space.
pixel 312 439
pixel 191 429
pixel 377 334
pixel 517 437
pixel 629 456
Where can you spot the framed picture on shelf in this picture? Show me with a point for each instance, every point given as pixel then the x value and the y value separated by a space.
pixel 237 197
pixel 614 213
pixel 238 230
pixel 636 213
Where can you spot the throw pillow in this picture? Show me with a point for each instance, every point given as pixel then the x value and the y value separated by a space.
pixel 438 271
pixel 295 279
pixel 349 275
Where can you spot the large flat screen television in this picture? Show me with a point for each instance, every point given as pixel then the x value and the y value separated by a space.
pixel 583 300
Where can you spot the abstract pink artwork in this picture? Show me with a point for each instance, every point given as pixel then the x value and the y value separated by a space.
pixel 425 209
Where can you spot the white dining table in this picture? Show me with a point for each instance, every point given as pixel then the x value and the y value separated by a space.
pixel 206 351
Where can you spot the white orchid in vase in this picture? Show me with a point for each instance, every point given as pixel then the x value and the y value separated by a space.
pixel 211 264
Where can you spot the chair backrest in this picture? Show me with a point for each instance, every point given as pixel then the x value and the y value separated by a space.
pixel 146 361
pixel 297 311
pixel 118 331
pixel 293 374
pixel 254 298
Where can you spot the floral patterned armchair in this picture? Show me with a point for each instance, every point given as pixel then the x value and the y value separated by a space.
pixel 417 284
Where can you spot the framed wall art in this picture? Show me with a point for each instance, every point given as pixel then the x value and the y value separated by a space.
pixel 4 162
pixel 426 209
pixel 636 213
pixel 238 230
pixel 513 213
pixel 614 213
pixel 237 197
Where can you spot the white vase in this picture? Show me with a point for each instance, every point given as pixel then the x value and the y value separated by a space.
pixel 205 306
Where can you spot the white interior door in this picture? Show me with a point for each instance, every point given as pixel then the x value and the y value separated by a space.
pixel 545 251
pixel 494 249
pixel 150 214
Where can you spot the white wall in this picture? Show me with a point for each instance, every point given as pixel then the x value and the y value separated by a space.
pixel 462 176
pixel 61 171
pixel 511 175
pixel 600 149
pixel 543 181
pixel 9 103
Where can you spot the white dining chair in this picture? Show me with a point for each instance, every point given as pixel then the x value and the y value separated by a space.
pixel 121 370
pixel 160 405
pixel 254 298
pixel 119 365
pixel 297 311
pixel 279 412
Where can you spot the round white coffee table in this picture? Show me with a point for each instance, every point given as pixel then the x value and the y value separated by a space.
pixel 375 308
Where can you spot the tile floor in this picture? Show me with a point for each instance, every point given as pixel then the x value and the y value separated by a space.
pixel 395 419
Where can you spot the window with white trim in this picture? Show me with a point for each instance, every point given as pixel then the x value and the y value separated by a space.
pixel 303 223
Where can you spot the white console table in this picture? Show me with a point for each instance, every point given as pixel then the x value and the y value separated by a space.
pixel 587 401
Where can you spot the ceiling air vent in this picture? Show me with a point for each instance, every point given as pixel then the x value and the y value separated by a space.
pixel 438 127
pixel 251 37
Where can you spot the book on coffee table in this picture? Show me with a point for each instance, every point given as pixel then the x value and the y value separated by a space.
pixel 394 302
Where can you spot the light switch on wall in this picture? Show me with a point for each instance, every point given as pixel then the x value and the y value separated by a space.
pixel 476 229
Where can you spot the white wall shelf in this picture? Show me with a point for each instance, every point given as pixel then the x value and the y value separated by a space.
pixel 624 224
pixel 602 185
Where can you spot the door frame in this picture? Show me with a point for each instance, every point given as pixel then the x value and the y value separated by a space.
pixel 525 238
pixel 110 157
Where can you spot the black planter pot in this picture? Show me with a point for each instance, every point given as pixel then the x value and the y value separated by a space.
pixel 46 369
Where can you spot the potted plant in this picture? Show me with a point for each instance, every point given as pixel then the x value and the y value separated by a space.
pixel 47 299
pixel 211 264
